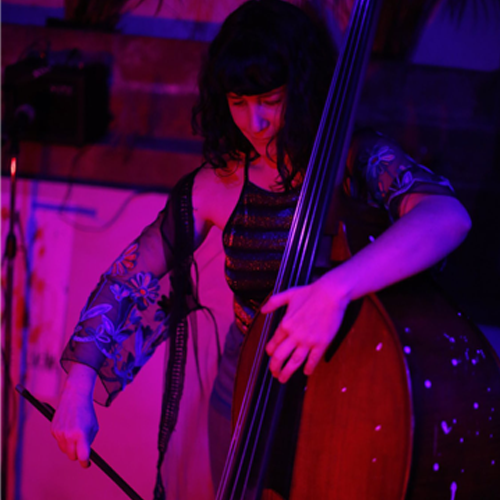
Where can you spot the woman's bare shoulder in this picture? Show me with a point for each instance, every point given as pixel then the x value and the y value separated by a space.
pixel 212 178
pixel 216 192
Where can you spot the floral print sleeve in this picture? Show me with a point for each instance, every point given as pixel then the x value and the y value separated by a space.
pixel 381 174
pixel 125 318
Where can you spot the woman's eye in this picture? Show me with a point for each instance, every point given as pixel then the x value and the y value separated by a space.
pixel 272 102
pixel 236 103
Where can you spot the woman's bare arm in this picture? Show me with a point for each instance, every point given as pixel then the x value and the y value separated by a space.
pixel 430 227
pixel 75 424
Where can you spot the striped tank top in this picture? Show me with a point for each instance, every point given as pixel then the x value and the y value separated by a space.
pixel 254 240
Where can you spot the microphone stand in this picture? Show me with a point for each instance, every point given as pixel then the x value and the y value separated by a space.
pixel 10 255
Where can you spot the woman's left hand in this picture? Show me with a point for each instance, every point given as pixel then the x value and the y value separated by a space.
pixel 313 316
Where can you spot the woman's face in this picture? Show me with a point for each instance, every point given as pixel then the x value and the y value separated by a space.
pixel 259 117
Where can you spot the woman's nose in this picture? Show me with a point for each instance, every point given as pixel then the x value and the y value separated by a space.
pixel 257 119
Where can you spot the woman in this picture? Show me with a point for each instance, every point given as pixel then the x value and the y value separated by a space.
pixel 261 92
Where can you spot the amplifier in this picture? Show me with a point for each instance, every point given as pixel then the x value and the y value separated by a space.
pixel 70 102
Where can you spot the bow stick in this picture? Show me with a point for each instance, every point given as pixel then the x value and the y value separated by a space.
pixel 48 411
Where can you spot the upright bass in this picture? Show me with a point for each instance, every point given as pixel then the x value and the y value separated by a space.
pixel 402 406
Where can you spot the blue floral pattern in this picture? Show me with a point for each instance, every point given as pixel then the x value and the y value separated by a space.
pixel 378 160
pixel 123 321
pixel 380 174
pixel 120 291
pixel 144 289
pixel 125 262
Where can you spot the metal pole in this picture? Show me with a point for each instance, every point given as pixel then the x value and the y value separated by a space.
pixel 10 254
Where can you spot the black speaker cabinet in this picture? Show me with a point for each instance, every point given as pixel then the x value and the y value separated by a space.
pixel 70 102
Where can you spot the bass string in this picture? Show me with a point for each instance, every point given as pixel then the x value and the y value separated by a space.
pixel 312 199
pixel 311 212
pixel 254 442
pixel 239 427
pixel 309 198
pixel 264 391
pixel 319 164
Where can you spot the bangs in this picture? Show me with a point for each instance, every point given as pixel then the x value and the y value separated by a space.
pixel 244 68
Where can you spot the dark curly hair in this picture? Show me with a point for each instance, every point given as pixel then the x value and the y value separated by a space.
pixel 263 45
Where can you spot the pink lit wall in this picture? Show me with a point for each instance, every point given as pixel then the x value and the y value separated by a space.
pixel 77 232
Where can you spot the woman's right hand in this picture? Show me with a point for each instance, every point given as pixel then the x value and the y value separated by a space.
pixel 74 425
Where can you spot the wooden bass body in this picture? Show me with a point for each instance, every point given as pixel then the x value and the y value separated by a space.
pixel 404 405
